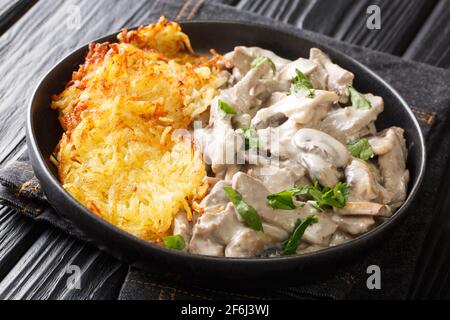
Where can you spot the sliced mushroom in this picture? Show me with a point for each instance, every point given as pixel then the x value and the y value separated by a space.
pixel 321 155
pixel 311 140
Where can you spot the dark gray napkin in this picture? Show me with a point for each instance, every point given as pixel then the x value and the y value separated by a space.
pixel 424 87
pixel 20 190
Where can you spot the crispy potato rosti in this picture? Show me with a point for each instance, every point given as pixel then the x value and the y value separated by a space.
pixel 117 156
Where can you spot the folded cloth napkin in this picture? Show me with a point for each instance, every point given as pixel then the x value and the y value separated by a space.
pixel 424 87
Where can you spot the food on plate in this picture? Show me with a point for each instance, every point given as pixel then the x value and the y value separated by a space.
pixel 118 155
pixel 243 155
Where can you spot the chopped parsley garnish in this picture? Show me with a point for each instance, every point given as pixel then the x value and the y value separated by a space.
pixel 317 196
pixel 290 246
pixel 259 60
pixel 175 242
pixel 302 85
pixel 226 108
pixel 361 149
pixel 358 100
pixel 284 199
pixel 247 212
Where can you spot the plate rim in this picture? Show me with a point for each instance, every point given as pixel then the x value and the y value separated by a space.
pixel 43 172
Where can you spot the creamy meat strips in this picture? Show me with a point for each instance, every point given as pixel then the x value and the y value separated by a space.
pixel 324 137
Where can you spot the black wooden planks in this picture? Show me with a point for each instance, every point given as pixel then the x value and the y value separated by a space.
pixel 45 270
pixel 11 11
pixel 432 43
pixel 33 258
pixel 17 233
pixel 32 46
pixel 346 19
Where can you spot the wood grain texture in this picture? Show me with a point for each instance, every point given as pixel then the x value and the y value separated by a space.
pixel 288 11
pixel 346 19
pixel 33 259
pixel 432 43
pixel 11 11
pixel 36 42
pixel 17 234
pixel 228 2
pixel 44 270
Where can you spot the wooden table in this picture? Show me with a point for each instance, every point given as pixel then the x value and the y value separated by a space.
pixel 34 35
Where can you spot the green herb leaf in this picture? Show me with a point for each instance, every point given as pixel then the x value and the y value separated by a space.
pixel 358 100
pixel 315 205
pixel 318 196
pixel 259 60
pixel 290 246
pixel 361 149
pixel 284 199
pixel 302 85
pixel 336 197
pixel 250 137
pixel 226 108
pixel 247 212
pixel 175 242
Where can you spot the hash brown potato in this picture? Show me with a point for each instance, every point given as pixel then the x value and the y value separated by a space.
pixel 117 156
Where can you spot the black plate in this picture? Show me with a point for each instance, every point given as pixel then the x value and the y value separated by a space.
pixel 44 132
